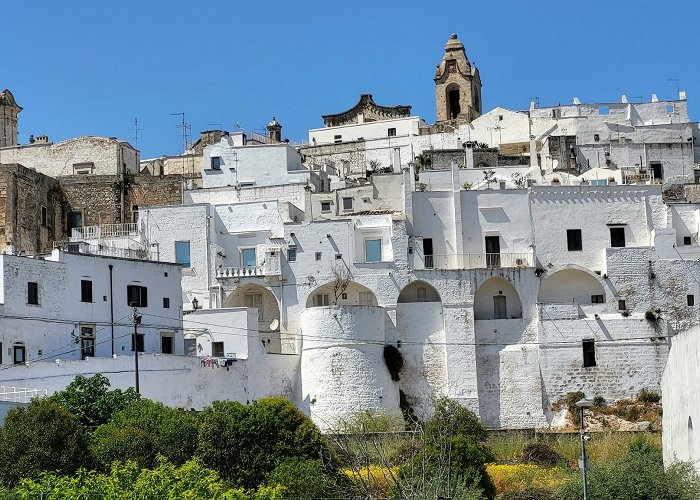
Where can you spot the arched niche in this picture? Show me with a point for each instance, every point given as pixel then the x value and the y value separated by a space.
pixel 354 295
pixel 252 295
pixel 571 286
pixel 418 291
pixel 453 101
pixel 496 298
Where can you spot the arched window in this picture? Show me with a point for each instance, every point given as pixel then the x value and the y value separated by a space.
pixel 496 298
pixel 453 107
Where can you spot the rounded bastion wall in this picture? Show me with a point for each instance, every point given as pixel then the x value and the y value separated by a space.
pixel 342 364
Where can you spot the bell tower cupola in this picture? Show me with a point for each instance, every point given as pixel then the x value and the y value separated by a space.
pixel 457 85
pixel 9 111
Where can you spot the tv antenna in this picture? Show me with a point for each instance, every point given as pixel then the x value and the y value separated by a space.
pixel 136 133
pixel 185 130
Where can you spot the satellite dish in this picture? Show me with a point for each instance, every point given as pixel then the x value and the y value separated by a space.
pixel 274 325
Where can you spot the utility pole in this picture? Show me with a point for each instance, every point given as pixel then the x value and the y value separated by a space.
pixel 583 461
pixel 136 318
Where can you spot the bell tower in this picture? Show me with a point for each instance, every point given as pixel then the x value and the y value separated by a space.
pixel 457 85
pixel 9 111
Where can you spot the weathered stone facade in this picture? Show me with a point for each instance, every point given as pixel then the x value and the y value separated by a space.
pixel 9 109
pixel 457 85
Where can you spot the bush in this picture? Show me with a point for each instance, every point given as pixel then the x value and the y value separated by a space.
pixel 91 401
pixel 540 454
pixel 570 401
pixel 645 396
pixel 40 437
pixel 143 431
pixel 306 479
pixel 393 360
pixel 528 494
pixel 245 443
pixel 599 401
pixel 453 419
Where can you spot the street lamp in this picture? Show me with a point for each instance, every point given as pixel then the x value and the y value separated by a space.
pixel 583 461
pixel 136 319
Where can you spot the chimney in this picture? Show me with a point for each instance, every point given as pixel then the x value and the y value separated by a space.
pixel 42 139
pixel 31 139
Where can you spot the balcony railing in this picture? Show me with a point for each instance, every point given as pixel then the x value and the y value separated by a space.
pixel 20 394
pixel 240 272
pixel 478 260
pixel 104 231
pixel 105 250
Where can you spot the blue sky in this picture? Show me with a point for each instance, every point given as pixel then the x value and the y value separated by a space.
pixel 81 67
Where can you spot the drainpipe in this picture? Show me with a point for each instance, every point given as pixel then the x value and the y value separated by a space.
pixel 111 305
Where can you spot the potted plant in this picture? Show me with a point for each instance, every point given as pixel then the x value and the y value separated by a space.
pixel 555 181
pixel 611 181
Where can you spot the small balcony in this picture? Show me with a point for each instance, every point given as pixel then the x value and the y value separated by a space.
pixel 104 231
pixel 241 272
pixel 478 260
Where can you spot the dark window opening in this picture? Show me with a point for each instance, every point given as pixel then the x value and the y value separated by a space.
pixel 617 236
pixel 292 254
pixel 19 353
pixel 166 344
pixel 588 353
pixel 166 303
pixel 690 299
pixel 318 255
pixel 573 240
pixel 657 170
pixel 137 296
pixel 139 341
pixel 74 220
pixel 216 163
pixel 337 138
pixel 453 103
pixel 621 305
pixel 85 291
pixel 44 216
pixel 493 251
pixel 87 342
pixel 428 252
pixel 597 299
pixel 325 206
pixel 391 132
pixel 33 293
pixel 687 240
pixel 217 349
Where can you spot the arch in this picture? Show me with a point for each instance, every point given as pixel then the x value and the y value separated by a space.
pixel 354 295
pixel 452 101
pixel 571 286
pixel 418 291
pixel 252 295
pixel 496 298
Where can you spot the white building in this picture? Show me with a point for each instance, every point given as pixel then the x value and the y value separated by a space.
pixel 74 306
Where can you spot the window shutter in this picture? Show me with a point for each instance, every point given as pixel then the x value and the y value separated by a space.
pixel 144 296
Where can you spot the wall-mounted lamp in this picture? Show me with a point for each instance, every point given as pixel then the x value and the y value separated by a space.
pixel 195 304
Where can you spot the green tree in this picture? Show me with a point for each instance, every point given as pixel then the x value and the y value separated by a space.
pixel 40 437
pixel 638 476
pixel 143 430
pixel 306 479
pixel 91 401
pixel 452 419
pixel 245 443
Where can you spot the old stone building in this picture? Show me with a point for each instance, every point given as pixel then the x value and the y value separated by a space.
pixel 9 109
pixel 457 85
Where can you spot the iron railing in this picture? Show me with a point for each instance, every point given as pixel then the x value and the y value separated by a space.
pixel 477 260
pixel 104 231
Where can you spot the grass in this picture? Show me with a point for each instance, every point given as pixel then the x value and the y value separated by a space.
pixel 603 448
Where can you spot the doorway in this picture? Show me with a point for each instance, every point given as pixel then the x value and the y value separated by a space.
pixel 657 170
pixel 499 307
pixel 428 252
pixel 493 251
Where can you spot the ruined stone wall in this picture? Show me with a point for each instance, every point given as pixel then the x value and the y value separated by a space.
pixel 23 193
pixel 352 152
pixel 99 199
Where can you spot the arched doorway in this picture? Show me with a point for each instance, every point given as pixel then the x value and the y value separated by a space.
pixel 496 298
pixel 453 105
pixel 261 298
pixel 571 286
pixel 354 295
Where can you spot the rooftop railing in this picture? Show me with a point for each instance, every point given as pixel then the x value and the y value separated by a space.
pixel 104 231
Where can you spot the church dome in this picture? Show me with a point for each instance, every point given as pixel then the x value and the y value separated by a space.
pixel 273 123
pixel 453 43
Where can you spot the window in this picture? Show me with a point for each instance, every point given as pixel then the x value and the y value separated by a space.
pixel 669 108
pixel 217 349
pixel 255 300
pixel 391 132
pixel 166 343
pixel 248 257
pixel 598 182
pixel 139 342
pixel 318 255
pixel 588 352
pixel 617 236
pixel 337 138
pixel 499 307
pixel 182 253
pixel 421 294
pixel 19 354
pixel 373 250
pixel 621 305
pixel 87 342
pixel 216 163
pixel 73 220
pixel 690 299
pixel 33 293
pixel 347 203
pixel 135 214
pixel 292 254
pixel 137 295
pixel 596 137
pixel 366 299
pixel 85 291
pixel 44 216
pixel 573 240
pixel 325 206
pixel 321 299
pixel 166 302
pixel 687 240
pixel 83 168
pixel 191 347
pixel 597 299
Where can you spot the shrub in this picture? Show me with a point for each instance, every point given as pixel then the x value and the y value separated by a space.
pixel 143 431
pixel 651 316
pixel 394 361
pixel 541 454
pixel 645 396
pixel 570 401
pixel 40 437
pixel 509 478
pixel 599 401
pixel 452 419
pixel 306 479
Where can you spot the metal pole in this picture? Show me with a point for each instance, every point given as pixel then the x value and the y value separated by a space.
pixel 583 455
pixel 136 352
